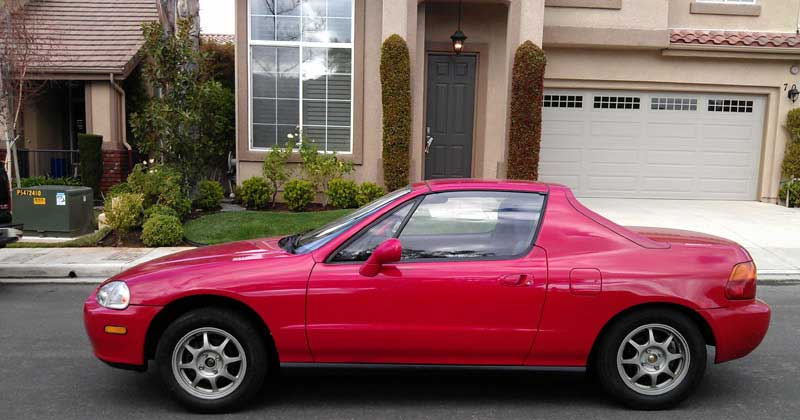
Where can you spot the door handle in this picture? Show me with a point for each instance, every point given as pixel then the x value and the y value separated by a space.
pixel 516 280
pixel 428 140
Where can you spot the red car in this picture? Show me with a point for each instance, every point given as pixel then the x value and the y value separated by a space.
pixel 451 272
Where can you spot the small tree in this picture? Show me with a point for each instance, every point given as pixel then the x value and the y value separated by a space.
pixel 791 157
pixel 321 168
pixel 525 136
pixel 276 168
pixel 396 100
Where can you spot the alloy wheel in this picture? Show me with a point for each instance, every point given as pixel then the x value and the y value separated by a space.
pixel 209 363
pixel 653 359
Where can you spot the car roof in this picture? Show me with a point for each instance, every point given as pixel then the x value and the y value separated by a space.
pixel 484 184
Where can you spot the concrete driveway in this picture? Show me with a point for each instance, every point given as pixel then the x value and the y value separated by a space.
pixel 770 233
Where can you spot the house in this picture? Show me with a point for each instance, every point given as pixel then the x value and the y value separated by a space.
pixel 91 47
pixel 680 99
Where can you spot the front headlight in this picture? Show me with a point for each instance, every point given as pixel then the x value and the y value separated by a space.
pixel 114 295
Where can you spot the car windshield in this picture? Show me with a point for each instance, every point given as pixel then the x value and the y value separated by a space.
pixel 309 241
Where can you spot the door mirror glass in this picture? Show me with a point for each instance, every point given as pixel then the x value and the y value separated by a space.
pixel 388 252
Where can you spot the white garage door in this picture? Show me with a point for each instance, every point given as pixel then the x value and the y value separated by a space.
pixel 652 144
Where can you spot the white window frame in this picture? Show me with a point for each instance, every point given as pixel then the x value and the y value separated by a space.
pixel 301 44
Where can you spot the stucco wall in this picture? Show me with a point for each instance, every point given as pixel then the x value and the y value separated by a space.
pixel 776 16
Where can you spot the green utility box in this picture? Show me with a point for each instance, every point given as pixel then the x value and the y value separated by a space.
pixel 53 210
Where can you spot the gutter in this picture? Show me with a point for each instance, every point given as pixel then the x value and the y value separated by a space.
pixel 121 93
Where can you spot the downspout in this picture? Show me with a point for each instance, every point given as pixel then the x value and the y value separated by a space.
pixel 121 93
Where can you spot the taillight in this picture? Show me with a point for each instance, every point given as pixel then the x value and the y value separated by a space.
pixel 742 282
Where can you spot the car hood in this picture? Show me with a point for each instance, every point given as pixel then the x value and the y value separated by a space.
pixel 250 250
pixel 680 237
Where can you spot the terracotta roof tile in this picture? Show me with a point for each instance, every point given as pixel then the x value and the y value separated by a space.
pixel 219 38
pixel 735 38
pixel 89 36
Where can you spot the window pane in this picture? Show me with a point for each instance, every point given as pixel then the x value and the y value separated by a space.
pixel 263 28
pixel 315 62
pixel 264 85
pixel 479 224
pixel 287 28
pixel 314 88
pixel 361 248
pixel 264 59
pixel 339 30
pixel 263 135
pixel 262 7
pixel 339 113
pixel 288 86
pixel 315 136
pixel 283 134
pixel 314 8
pixel 339 139
pixel 287 7
pixel 339 87
pixel 264 111
pixel 340 8
pixel 288 111
pixel 288 59
pixel 314 113
pixel 339 60
pixel 314 29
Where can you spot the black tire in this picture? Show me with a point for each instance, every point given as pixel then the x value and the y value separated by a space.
pixel 611 378
pixel 248 336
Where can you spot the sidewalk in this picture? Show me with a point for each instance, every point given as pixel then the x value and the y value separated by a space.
pixel 80 264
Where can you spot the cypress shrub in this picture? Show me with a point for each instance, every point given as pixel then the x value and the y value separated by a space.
pixel 525 136
pixel 791 157
pixel 396 99
pixel 90 147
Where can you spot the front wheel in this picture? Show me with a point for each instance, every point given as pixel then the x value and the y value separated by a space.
pixel 212 360
pixel 652 359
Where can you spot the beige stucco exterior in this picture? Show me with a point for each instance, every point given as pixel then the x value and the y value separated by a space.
pixel 593 44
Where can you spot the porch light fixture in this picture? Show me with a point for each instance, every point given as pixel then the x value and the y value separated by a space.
pixel 458 37
pixel 793 93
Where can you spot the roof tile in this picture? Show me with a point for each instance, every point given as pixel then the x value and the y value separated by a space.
pixel 735 38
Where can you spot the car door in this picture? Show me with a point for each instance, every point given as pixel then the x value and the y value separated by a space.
pixel 469 288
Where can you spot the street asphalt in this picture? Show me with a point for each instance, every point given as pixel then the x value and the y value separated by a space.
pixel 47 371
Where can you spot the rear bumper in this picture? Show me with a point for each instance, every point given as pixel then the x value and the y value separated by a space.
pixel 738 329
pixel 118 350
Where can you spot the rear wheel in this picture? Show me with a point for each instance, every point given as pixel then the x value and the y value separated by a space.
pixel 212 360
pixel 651 359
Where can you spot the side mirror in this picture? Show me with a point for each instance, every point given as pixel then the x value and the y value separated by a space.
pixel 387 252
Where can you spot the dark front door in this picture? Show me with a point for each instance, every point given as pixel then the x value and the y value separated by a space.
pixel 451 104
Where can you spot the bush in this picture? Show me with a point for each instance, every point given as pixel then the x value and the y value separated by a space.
pixel 118 189
pixel 321 168
pixel 396 100
pixel 209 195
pixel 525 136
pixel 794 193
pixel 791 157
pixel 159 209
pixel 342 193
pixel 275 168
pixel 36 181
pixel 368 192
pixel 124 212
pixel 91 167
pixel 298 194
pixel 162 230
pixel 160 185
pixel 255 193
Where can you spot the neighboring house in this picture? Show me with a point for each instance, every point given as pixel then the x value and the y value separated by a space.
pixel 92 46
pixel 218 38
pixel 644 98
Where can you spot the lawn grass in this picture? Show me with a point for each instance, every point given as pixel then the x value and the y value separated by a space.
pixel 235 226
pixel 83 241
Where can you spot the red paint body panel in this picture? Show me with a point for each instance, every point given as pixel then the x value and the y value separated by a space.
pixel 452 312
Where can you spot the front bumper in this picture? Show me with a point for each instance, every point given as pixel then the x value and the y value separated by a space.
pixel 739 328
pixel 118 350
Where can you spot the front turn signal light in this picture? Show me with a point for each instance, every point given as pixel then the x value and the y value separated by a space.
pixel 742 282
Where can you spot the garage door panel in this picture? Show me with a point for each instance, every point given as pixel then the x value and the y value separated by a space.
pixel 662 130
pixel 676 145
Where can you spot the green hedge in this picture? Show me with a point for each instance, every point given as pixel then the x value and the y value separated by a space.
pixel 90 147
pixel 396 99
pixel 525 136
pixel 791 158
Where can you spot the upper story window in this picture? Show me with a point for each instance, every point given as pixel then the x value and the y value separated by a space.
pixel 301 63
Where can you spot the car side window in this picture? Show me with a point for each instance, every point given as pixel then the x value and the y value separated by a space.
pixel 361 248
pixel 472 224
